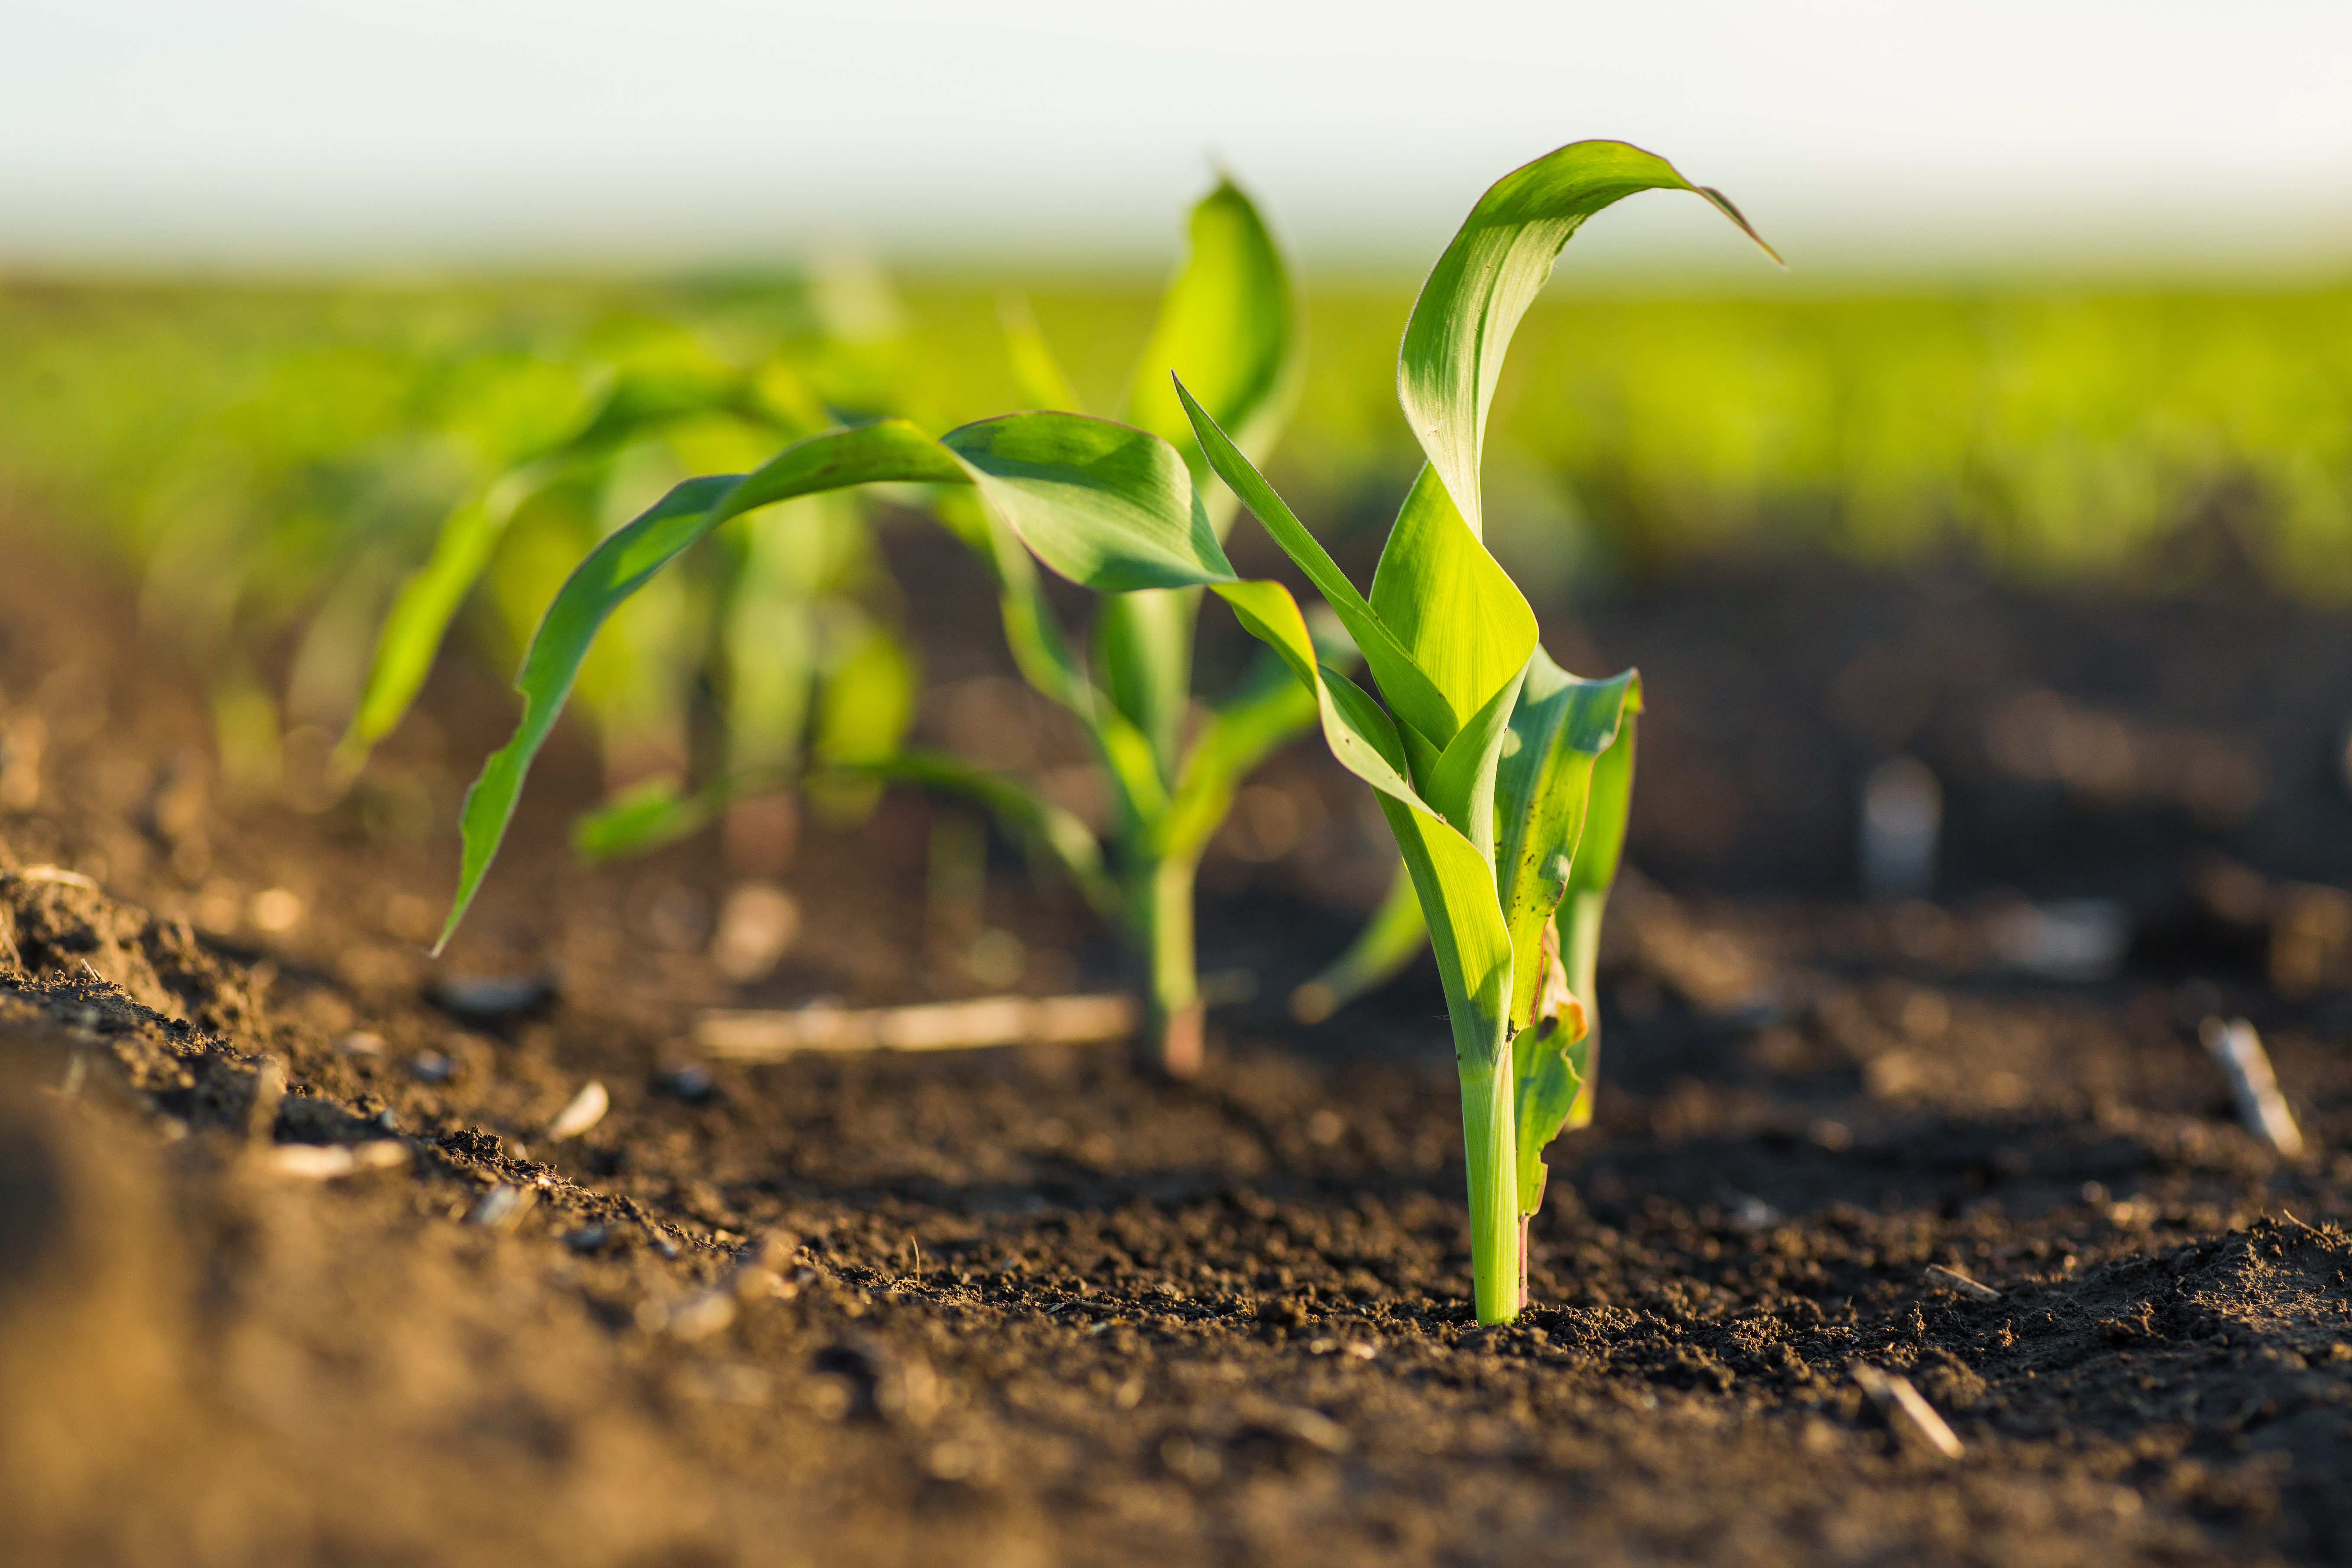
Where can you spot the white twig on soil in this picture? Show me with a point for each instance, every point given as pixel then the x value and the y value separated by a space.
pixel 767 1036
pixel 1953 1279
pixel 2261 1106
pixel 1901 1404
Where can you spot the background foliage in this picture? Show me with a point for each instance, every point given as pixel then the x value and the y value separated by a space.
pixel 273 459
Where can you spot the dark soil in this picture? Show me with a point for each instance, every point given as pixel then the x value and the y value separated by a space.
pixel 1030 1306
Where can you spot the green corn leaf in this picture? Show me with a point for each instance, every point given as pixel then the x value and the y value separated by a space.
pixel 1604 844
pixel 1449 874
pixel 1032 633
pixel 646 816
pixel 1144 641
pixel 1450 603
pixel 1228 324
pixel 882 451
pixel 1588 894
pixel 863 710
pixel 1105 504
pixel 1548 1071
pixel 1270 708
pixel 1130 760
pixel 1038 379
pixel 1229 327
pixel 1460 784
pixel 420 615
pixel 1497 263
pixel 1391 939
pixel 1060 832
pixel 1561 727
pixel 1409 690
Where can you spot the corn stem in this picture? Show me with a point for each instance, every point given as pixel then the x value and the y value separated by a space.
pixel 1489 1136
pixel 1161 902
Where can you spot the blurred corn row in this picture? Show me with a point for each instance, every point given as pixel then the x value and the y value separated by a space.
pixel 273 463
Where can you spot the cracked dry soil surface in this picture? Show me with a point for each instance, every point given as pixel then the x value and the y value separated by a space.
pixel 1028 1306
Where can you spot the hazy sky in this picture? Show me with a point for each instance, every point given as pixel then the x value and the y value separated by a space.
pixel 2151 134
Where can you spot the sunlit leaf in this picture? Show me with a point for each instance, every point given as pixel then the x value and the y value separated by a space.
pixel 1038 379
pixel 1409 690
pixel 1229 327
pixel 1461 618
pixel 1449 873
pixel 1103 504
pixel 880 451
pixel 1547 1067
pixel 645 817
pixel 1561 727
pixel 1589 883
pixel 421 613
pixel 1022 809
pixel 1391 939
pixel 1497 263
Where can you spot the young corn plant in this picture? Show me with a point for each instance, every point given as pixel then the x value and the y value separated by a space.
pixel 1230 324
pixel 791 621
pixel 1504 778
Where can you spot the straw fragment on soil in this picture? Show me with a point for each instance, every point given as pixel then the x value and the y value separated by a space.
pixel 751 1036
pixel 1905 1409
pixel 325 1162
pixel 1953 1279
pixel 2261 1107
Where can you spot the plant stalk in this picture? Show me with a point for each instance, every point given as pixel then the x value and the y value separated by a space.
pixel 1163 903
pixel 1489 1136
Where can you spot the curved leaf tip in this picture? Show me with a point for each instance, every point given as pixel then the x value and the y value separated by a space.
pixel 1461 326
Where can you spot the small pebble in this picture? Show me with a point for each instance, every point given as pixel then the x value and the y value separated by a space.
pixel 587 1239
pixel 494 997
pixel 432 1067
pixel 691 1083
pixel 360 1043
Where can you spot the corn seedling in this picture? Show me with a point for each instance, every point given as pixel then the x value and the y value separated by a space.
pixel 1228 324
pixel 1502 777
pixel 1064 478
pixel 791 619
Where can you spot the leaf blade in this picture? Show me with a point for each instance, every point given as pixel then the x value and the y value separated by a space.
pixel 1460 618
pixel 1228 326
pixel 1406 686
pixel 881 450
pixel 1500 259
pixel 1103 504
pixel 1562 724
